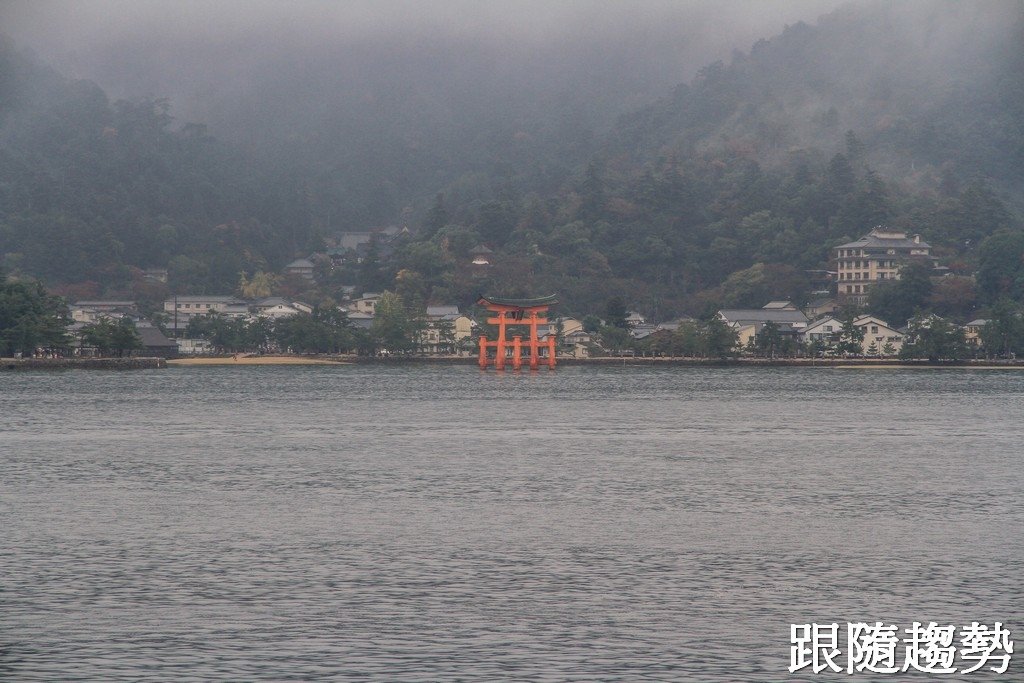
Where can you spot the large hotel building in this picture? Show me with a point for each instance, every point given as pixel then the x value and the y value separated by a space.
pixel 876 257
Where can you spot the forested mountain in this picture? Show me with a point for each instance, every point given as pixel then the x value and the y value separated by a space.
pixel 933 91
pixel 726 191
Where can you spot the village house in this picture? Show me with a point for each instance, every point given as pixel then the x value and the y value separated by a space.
pixel 93 311
pixel 185 306
pixel 481 255
pixel 300 267
pixel 780 305
pixel 634 318
pixel 446 328
pixel 577 343
pixel 877 333
pixel 876 257
pixel 362 321
pixel 366 304
pixel 155 343
pixel 748 322
pixel 351 240
pixel 821 306
pixel 568 326
pixel 642 331
pixel 825 330
pixel 972 332
pixel 155 275
pixel 353 246
pixel 275 307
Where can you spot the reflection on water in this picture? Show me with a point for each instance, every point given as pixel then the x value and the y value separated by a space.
pixel 421 523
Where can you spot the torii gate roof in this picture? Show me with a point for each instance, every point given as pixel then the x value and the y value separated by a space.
pixel 549 300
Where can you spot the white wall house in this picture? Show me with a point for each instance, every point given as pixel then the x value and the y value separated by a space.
pixel 876 331
pixel 188 305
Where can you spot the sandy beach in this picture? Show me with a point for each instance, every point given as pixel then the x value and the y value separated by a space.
pixel 257 360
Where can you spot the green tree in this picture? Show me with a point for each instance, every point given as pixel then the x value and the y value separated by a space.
pixel 496 222
pixel 718 339
pixel 933 338
pixel 259 333
pixel 686 341
pixel 1001 266
pixel 260 286
pixel 615 313
pixel 371 276
pixel 897 300
pixel 954 296
pixel 768 339
pixel 851 336
pixel 762 282
pixel 391 328
pixel 30 318
pixel 436 218
pixel 446 335
pixel 1003 334
pixel 591 323
pixel 125 338
pixel 110 336
pixel 614 338
pixel 325 330
pixel 854 147
pixel 841 179
pixel 593 191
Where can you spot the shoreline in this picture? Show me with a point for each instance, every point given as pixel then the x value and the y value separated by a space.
pixel 131 363
pixel 150 363
pixel 277 359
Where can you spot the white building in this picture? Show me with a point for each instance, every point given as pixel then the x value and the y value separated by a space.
pixel 366 304
pixel 877 332
pixel 185 306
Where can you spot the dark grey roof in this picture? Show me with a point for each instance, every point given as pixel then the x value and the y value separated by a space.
pixel 439 311
pixel 642 331
pixel 779 305
pixel 152 337
pixel 107 304
pixel 206 298
pixel 873 240
pixel 762 315
pixel 273 301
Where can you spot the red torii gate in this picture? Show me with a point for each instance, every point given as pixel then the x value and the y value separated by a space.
pixel 516 312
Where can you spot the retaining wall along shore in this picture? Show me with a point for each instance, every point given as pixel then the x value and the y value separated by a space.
pixel 82 363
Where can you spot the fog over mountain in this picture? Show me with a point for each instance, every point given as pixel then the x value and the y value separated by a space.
pixel 217 60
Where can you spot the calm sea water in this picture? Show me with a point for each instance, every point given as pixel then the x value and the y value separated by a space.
pixel 439 523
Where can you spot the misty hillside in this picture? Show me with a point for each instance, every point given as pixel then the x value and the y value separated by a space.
pixel 727 190
pixel 928 88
